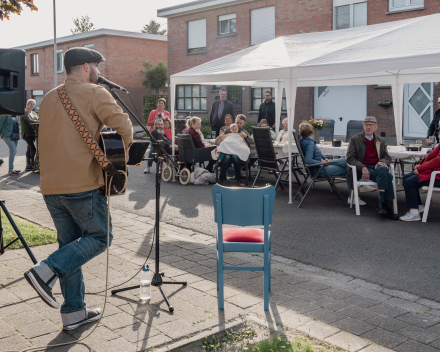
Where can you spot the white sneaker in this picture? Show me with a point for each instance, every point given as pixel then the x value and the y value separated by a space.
pixel 421 208
pixel 365 188
pixel 361 202
pixel 410 217
pixel 147 170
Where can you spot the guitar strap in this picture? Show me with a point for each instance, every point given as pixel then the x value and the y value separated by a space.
pixel 85 133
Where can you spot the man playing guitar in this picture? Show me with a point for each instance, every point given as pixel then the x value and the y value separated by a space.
pixel 71 183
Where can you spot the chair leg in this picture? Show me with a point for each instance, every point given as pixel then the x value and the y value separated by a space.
pixel 266 280
pixel 356 199
pixel 270 269
pixel 278 180
pixel 220 283
pixel 312 182
pixel 301 190
pixel 427 204
pixel 256 178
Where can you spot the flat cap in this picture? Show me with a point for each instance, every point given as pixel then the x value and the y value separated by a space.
pixel 370 119
pixel 79 56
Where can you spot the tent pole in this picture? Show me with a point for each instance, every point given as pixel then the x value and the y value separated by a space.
pixel 290 85
pixel 278 104
pixel 173 133
pixel 397 93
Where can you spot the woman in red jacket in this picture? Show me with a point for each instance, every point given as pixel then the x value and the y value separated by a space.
pixel 159 111
pixel 418 178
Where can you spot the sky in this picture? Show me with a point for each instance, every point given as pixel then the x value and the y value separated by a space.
pixel 35 26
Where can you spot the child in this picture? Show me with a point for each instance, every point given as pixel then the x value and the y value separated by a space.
pixel 167 128
pixel 265 124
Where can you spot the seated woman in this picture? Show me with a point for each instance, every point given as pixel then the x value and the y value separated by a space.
pixel 265 124
pixel 194 124
pixel 418 178
pixel 232 149
pixel 283 136
pixel 313 155
pixel 228 122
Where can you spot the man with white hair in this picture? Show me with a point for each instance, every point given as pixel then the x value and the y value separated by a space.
pixel 27 133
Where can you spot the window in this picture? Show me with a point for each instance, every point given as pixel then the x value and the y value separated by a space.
pixel 197 36
pixel 349 15
pixel 60 61
pixel 90 46
pixel 191 98
pixel 227 24
pixel 262 25
pixel 399 5
pixel 34 64
pixel 258 98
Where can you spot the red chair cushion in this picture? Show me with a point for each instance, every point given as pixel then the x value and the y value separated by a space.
pixel 243 234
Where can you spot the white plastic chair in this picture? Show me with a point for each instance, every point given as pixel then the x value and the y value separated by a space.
pixel 430 189
pixel 357 183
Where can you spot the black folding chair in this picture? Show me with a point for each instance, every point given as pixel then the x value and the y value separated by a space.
pixel 308 174
pixel 328 132
pixel 191 155
pixel 354 127
pixel 267 158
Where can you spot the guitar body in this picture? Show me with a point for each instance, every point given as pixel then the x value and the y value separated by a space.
pixel 112 145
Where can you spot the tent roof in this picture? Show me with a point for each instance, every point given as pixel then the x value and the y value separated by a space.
pixel 361 55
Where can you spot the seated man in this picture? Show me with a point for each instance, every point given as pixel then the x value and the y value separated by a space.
pixel 420 177
pixel 159 135
pixel 368 152
pixel 239 121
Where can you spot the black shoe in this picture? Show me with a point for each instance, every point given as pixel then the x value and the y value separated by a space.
pixel 240 183
pixel 92 315
pixel 43 290
pixel 382 209
pixel 390 214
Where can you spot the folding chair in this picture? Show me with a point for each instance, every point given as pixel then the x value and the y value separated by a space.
pixel 267 158
pixel 354 127
pixel 430 189
pixel 308 174
pixel 361 182
pixel 243 207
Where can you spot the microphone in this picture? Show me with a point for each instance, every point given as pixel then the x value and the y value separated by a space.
pixel 102 80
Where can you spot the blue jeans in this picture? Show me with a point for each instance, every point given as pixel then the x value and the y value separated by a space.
pixel 81 223
pixel 338 169
pixel 384 180
pixel 229 159
pixel 150 154
pixel 12 145
pixel 411 184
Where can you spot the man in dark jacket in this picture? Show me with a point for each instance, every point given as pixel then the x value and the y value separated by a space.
pixel 220 108
pixel 368 152
pixel 267 110
pixel 434 127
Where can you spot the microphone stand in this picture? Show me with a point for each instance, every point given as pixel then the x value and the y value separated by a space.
pixel 158 158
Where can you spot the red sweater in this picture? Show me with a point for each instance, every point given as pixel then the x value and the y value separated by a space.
pixel 370 153
pixel 430 164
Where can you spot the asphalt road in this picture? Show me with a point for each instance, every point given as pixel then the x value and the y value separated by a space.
pixel 323 232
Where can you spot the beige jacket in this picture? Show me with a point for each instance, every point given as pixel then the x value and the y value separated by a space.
pixel 66 163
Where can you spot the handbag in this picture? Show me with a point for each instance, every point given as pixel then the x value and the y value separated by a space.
pixel 15 136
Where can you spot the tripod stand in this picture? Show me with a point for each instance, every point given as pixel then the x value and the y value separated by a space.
pixel 17 231
pixel 158 158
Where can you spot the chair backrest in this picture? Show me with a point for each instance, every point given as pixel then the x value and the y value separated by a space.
pixel 243 206
pixel 186 148
pixel 354 127
pixel 328 131
pixel 264 146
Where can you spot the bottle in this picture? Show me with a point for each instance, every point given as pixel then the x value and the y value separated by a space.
pixel 145 292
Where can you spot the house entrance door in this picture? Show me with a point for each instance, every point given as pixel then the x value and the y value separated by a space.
pixel 417 109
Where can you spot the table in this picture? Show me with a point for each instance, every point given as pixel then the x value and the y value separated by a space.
pixel 35 127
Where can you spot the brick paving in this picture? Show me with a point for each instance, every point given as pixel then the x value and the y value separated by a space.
pixel 347 312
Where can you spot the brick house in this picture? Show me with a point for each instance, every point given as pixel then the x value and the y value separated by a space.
pixel 124 52
pixel 201 31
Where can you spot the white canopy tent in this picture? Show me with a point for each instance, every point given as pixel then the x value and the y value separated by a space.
pixel 393 53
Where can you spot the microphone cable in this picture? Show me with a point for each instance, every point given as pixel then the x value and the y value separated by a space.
pixel 106 277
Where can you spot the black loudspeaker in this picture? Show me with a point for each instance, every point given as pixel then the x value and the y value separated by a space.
pixel 12 92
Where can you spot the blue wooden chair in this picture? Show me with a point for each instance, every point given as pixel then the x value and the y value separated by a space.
pixel 243 207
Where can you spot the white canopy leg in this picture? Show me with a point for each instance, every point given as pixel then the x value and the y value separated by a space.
pixel 290 85
pixel 278 104
pixel 397 92
pixel 173 134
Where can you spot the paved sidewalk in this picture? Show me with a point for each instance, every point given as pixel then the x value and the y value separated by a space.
pixel 341 310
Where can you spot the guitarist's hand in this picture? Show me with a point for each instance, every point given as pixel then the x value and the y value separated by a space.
pixel 127 155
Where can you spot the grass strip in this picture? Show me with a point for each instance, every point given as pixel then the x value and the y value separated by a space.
pixel 34 235
pixel 281 344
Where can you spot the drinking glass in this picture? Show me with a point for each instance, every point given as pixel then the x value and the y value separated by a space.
pixel 402 143
pixel 213 134
pixel 431 139
pixel 321 140
pixel 419 144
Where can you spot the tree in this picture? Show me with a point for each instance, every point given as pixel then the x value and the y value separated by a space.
pixel 153 28
pixel 82 25
pixel 8 7
pixel 155 76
